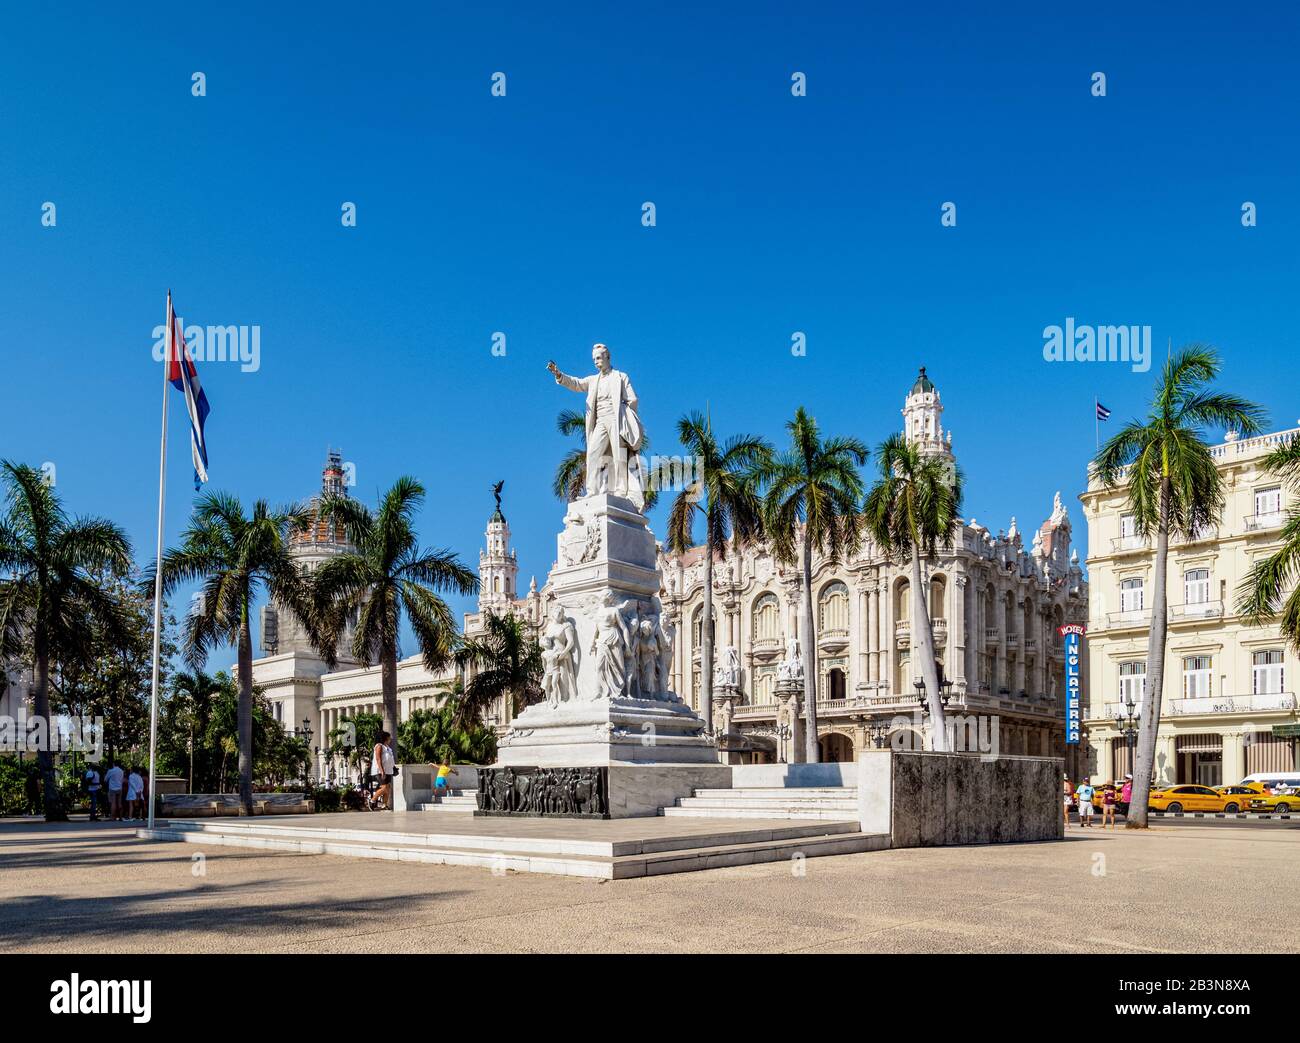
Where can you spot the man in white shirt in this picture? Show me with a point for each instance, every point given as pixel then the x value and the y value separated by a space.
pixel 134 794
pixel 113 779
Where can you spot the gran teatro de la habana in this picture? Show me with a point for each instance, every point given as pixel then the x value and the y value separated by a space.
pixel 997 599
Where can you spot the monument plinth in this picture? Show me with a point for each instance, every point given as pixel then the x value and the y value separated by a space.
pixel 610 737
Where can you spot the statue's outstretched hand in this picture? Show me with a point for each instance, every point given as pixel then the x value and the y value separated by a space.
pixel 552 367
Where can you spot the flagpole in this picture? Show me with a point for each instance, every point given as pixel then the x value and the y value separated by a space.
pixel 158 577
pixel 1096 422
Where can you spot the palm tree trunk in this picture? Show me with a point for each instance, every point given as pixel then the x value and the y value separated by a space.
pixel 808 648
pixel 706 642
pixel 388 686
pixel 44 757
pixel 1146 749
pixel 244 717
pixel 923 641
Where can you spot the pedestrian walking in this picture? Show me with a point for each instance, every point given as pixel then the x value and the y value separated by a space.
pixel 1069 790
pixel 1126 795
pixel 381 767
pixel 1085 793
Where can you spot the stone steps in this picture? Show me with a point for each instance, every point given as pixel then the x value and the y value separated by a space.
pixel 457 802
pixel 821 803
pixel 610 860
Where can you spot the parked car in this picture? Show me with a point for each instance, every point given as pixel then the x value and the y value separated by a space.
pixel 1187 798
pixel 1238 798
pixel 1281 803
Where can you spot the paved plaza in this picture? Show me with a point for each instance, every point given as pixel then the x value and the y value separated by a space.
pixel 1177 888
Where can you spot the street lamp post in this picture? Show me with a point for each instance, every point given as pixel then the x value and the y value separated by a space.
pixel 1127 725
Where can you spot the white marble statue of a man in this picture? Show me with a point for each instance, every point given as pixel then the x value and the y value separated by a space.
pixel 613 428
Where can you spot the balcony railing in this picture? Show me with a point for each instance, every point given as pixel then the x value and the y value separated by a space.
pixel 1233 704
pixel 1129 544
pixel 1276 702
pixel 1196 610
pixel 1132 617
pixel 992 635
pixel 1264 522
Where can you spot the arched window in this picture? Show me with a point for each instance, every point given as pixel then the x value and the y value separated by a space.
pixel 697 628
pixel 938 588
pixel 835 608
pixel 767 618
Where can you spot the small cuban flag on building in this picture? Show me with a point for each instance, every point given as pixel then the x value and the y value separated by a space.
pixel 1102 412
pixel 184 377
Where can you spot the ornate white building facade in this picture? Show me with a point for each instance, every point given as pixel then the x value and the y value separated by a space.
pixel 995 605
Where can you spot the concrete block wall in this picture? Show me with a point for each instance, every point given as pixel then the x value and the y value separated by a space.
pixel 928 799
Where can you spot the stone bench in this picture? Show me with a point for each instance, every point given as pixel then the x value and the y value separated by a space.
pixel 212 805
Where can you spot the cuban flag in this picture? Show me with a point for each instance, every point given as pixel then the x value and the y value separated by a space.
pixel 185 378
pixel 1102 412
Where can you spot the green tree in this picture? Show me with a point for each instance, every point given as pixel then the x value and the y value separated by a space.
pixel 505 662
pixel 235 556
pixel 814 491
pixel 912 511
pixel 355 738
pixel 1263 596
pixel 385 577
pixel 435 736
pixel 1174 488
pixel 725 492
pixel 49 594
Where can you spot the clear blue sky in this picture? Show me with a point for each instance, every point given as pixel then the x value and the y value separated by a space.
pixel 523 215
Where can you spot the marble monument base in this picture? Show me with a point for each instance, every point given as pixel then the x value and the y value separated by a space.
pixel 607 731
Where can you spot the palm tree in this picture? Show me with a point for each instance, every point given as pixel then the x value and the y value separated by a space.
pixel 725 492
pixel 571 475
pixel 1174 488
pixel 1262 597
pixel 235 556
pixel 49 599
pixel 433 736
pixel 911 512
pixel 814 491
pixel 387 576
pixel 507 661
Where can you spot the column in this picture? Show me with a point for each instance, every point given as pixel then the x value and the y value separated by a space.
pixel 873 634
pixel 962 673
pixel 887 641
pixel 1234 757
pixel 1166 766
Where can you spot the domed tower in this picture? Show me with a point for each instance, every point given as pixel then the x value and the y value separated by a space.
pixel 497 567
pixel 281 630
pixel 923 418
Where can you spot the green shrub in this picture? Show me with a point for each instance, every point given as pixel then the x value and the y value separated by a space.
pixel 327 799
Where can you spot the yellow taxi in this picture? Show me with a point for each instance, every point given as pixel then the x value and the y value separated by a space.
pixel 1188 798
pixel 1281 803
pixel 1238 797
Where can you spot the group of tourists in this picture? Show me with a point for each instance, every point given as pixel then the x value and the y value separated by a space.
pixel 117 793
pixel 1113 795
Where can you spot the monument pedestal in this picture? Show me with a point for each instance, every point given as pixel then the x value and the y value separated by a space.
pixel 610 729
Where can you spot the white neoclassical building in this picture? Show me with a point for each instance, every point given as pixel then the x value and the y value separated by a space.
pixel 1229 702
pixel 996 605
